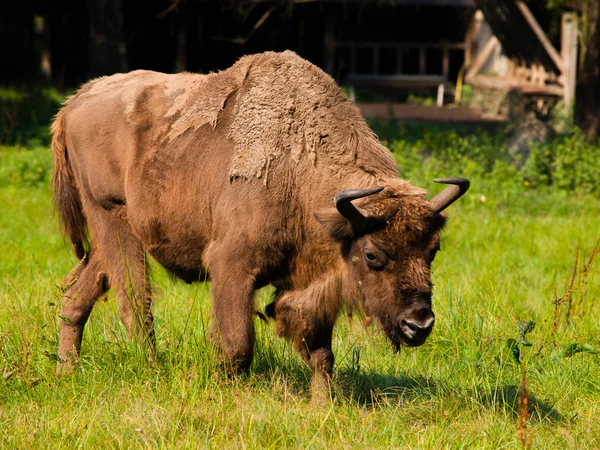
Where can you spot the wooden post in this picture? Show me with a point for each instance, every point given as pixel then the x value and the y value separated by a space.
pixel 446 62
pixel 421 60
pixel 473 28
pixel 568 52
pixel 440 95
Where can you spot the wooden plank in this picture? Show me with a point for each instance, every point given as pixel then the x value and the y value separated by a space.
pixel 493 82
pixel 568 49
pixel 400 81
pixel 524 72
pixel 512 67
pixel 541 75
pixel 535 26
pixel 507 83
pixel 482 57
pixel 551 91
pixel 534 74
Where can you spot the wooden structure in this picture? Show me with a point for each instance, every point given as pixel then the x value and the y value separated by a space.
pixel 533 66
pixel 398 52
pixel 399 55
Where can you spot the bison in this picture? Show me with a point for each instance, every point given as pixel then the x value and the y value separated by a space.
pixel 229 177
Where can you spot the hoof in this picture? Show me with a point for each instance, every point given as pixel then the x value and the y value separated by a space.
pixel 65 368
pixel 320 389
pixel 237 365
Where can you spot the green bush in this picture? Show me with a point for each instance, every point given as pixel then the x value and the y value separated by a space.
pixel 569 163
pixel 479 156
pixel 21 166
pixel 26 116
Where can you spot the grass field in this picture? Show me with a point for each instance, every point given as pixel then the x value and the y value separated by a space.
pixel 500 264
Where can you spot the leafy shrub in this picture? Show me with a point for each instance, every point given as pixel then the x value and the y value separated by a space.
pixel 569 162
pixel 27 115
pixel 446 153
pixel 25 167
pixel 419 100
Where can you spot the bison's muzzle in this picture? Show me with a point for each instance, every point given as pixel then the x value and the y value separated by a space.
pixel 415 326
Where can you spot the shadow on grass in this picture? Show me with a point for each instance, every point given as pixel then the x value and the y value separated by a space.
pixel 277 363
pixel 373 390
pixel 282 365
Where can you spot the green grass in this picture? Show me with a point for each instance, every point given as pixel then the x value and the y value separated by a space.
pixel 500 262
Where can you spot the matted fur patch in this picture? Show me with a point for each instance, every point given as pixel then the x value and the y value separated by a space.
pixel 285 108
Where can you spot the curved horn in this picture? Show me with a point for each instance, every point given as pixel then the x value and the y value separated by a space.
pixel 343 203
pixel 450 194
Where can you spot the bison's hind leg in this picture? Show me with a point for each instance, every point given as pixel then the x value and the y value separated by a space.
pixel 84 285
pixel 117 259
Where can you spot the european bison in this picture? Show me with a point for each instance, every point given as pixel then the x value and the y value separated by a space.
pixel 230 176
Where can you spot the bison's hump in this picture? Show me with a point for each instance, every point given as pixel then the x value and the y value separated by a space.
pixel 289 108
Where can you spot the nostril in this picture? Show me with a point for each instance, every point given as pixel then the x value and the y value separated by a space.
pixel 409 328
pixel 411 325
pixel 412 329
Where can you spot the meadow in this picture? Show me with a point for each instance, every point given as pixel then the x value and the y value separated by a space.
pixel 513 360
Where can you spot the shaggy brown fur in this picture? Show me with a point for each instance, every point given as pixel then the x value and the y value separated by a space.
pixel 231 175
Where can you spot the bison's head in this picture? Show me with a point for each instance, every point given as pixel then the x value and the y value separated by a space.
pixel 388 245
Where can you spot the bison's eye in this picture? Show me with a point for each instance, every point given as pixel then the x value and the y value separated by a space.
pixel 375 257
pixel 374 261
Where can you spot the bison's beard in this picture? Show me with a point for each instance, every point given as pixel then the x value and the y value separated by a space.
pixel 393 334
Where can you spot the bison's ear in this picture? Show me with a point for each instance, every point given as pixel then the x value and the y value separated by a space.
pixel 338 227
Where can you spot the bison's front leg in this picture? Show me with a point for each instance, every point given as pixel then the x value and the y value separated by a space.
pixel 233 310
pixel 307 318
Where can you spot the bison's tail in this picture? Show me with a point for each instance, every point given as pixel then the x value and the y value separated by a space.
pixel 66 194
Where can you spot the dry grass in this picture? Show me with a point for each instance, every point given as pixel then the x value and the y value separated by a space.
pixel 524 433
pixel 570 305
